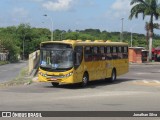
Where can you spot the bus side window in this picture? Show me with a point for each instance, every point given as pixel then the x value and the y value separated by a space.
pixel 95 54
pixel 120 52
pixel 114 53
pixel 88 54
pixel 102 53
pixel 108 53
pixel 125 52
pixel 78 56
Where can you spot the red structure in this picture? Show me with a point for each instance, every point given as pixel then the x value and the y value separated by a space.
pixel 135 54
pixel 139 54
pixel 156 53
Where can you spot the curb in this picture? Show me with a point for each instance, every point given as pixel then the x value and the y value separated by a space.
pixel 155 63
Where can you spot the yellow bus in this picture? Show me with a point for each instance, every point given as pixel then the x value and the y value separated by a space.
pixel 76 61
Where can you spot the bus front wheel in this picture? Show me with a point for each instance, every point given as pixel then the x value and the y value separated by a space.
pixel 113 76
pixel 85 80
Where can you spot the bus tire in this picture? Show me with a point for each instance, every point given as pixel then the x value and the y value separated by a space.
pixel 85 80
pixel 113 76
pixel 55 84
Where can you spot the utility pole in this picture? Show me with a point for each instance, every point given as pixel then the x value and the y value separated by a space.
pixel 131 38
pixel 51 26
pixel 23 47
pixel 122 31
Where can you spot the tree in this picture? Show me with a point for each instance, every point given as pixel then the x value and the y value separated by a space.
pixel 155 26
pixel 9 44
pixel 147 34
pixel 24 33
pixel 146 8
pixel 72 36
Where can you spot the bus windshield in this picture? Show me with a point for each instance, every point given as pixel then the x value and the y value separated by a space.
pixel 61 59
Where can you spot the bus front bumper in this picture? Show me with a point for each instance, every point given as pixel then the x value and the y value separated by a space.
pixel 65 80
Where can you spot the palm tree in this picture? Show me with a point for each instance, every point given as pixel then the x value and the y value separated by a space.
pixel 147 34
pixel 155 26
pixel 146 8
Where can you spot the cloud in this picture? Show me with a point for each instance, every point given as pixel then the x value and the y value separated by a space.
pixel 58 5
pixel 121 5
pixel 119 8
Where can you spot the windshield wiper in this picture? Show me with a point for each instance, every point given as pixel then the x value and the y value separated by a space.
pixel 45 66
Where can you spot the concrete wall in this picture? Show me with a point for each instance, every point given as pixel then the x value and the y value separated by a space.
pixel 3 56
pixel 34 61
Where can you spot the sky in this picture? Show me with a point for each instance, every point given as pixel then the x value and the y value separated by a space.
pixel 71 14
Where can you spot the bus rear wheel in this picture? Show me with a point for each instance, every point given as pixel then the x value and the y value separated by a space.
pixel 55 84
pixel 84 80
pixel 113 76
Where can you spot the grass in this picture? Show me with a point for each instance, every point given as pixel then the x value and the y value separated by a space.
pixel 3 62
pixel 22 79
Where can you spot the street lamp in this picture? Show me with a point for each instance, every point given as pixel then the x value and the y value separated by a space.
pixel 131 38
pixel 122 30
pixel 23 47
pixel 51 26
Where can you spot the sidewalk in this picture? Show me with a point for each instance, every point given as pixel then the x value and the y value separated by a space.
pixel 146 63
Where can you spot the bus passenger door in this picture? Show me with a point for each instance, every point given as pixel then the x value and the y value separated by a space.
pixel 78 65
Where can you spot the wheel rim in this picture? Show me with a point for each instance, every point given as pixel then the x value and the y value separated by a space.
pixel 113 76
pixel 85 80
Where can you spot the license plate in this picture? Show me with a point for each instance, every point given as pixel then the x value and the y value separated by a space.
pixel 54 79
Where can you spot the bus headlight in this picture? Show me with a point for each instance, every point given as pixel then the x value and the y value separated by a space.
pixel 40 73
pixel 44 75
pixel 69 74
pixel 61 76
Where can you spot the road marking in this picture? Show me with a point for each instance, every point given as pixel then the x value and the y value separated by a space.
pixel 142 73
pixel 156 81
pixel 145 81
pixel 135 81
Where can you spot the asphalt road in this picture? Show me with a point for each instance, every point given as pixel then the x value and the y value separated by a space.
pixel 138 90
pixel 10 71
pixel 141 71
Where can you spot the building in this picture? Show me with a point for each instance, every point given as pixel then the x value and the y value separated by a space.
pixel 135 54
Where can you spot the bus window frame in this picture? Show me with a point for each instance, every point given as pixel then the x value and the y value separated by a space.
pixel 114 53
pixel 102 56
pixel 88 55
pixel 108 54
pixel 120 56
pixel 95 53
pixel 125 53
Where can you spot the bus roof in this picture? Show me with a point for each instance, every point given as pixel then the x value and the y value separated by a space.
pixel 88 42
